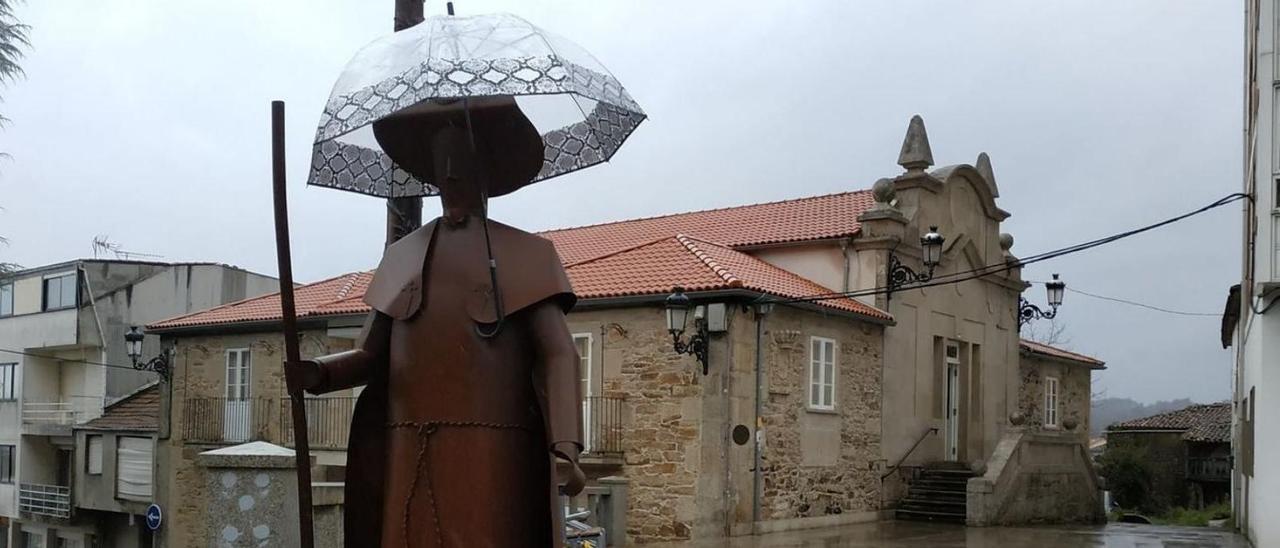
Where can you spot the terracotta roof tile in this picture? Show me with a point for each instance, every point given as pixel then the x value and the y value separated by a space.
pixel 1055 352
pixel 802 219
pixel 1200 422
pixel 334 296
pixel 655 267
pixel 139 411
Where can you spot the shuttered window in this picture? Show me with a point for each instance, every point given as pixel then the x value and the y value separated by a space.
pixel 133 468
pixel 93 457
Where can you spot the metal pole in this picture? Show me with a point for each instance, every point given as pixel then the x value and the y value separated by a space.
pixel 288 317
pixel 404 215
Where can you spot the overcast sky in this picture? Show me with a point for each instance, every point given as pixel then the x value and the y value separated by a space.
pixel 147 121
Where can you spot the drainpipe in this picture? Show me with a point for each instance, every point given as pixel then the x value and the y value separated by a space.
pixel 757 492
pixel 844 250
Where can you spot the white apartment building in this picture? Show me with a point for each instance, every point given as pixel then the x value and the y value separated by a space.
pixel 1251 323
pixel 59 325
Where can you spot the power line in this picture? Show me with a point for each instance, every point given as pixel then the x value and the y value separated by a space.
pixel 957 277
pixel 1143 305
pixel 85 362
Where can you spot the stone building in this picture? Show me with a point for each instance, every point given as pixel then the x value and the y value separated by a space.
pixel 1056 386
pixel 1188 453
pixel 807 411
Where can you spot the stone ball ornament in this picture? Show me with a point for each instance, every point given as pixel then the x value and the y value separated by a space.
pixel 1017 419
pixel 1070 423
pixel 1006 241
pixel 883 191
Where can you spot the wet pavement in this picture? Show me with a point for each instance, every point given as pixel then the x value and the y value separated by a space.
pixel 901 534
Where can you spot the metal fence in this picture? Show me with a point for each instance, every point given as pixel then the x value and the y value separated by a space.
pixel 602 424
pixel 226 420
pixel 44 500
pixel 328 421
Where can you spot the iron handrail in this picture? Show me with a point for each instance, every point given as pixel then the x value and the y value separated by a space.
pixel 897 465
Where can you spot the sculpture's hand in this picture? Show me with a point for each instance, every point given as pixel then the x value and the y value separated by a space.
pixel 575 480
pixel 303 375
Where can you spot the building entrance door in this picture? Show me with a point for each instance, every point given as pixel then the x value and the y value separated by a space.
pixel 952 409
pixel 236 413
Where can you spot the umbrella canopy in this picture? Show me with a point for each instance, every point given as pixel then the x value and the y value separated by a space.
pixel 582 112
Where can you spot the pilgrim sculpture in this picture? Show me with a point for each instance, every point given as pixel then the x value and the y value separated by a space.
pixel 470 373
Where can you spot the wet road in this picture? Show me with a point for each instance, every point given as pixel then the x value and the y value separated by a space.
pixel 895 534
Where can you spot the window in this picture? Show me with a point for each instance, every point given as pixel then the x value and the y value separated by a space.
pixel 6 381
pixel 6 464
pixel 93 456
pixel 238 374
pixel 1051 402
pixel 822 373
pixel 6 299
pixel 582 341
pixel 60 291
pixel 133 468
pixel 32 540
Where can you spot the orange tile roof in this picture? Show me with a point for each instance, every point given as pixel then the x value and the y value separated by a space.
pixel 696 250
pixel 1055 352
pixel 139 411
pixel 1200 422
pixel 332 297
pixel 655 267
pixel 798 220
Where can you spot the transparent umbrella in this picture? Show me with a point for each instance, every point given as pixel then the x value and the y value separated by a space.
pixel 581 111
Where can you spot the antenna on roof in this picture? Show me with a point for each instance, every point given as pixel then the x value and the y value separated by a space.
pixel 102 245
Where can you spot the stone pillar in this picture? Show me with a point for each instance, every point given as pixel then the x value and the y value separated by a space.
pixel 253 496
pixel 615 521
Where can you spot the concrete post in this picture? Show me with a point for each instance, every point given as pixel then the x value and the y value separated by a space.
pixel 616 525
pixel 252 496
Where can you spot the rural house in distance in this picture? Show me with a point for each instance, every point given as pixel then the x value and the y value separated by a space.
pixel 810 413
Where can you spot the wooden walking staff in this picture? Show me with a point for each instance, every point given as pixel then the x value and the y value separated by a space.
pixel 288 317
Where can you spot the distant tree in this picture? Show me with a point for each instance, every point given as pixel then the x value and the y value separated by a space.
pixel 13 40
pixel 1128 476
pixel 1049 332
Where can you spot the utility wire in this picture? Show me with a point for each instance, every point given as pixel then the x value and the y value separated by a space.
pixel 957 277
pixel 1143 305
pixel 65 360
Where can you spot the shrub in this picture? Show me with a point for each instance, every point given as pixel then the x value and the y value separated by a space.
pixel 1128 476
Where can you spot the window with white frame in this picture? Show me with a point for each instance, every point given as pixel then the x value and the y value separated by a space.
pixel 6 463
pixel 822 373
pixel 238 374
pixel 6 299
pixel 93 456
pixel 1051 402
pixel 7 371
pixel 60 291
pixel 582 341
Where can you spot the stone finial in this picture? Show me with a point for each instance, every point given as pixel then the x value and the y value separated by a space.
pixel 983 166
pixel 1006 241
pixel 1017 419
pixel 1070 423
pixel 916 154
pixel 883 192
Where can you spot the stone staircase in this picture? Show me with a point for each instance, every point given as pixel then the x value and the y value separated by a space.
pixel 937 494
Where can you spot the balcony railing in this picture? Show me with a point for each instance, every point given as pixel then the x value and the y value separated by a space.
pixel 74 410
pixel 1209 468
pixel 223 420
pixel 226 420
pixel 328 422
pixel 44 500
pixel 602 425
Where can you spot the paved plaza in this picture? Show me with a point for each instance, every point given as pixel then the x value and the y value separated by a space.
pixel 892 534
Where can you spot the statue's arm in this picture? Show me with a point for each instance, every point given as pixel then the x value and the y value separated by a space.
pixel 352 367
pixel 555 379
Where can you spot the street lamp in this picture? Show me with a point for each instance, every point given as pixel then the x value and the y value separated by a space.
pixel 930 254
pixel 1054 290
pixel 133 346
pixel 678 306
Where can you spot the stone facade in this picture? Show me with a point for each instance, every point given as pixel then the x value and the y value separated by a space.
pixel 688 479
pixel 1074 393
pixel 200 373
pixel 819 462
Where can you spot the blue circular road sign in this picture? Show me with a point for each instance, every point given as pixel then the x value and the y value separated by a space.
pixel 154 516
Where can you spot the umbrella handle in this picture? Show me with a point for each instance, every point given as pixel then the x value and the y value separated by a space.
pixel 288 317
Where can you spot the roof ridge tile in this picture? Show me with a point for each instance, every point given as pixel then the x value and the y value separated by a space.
pixel 721 271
